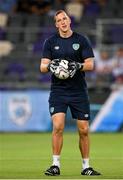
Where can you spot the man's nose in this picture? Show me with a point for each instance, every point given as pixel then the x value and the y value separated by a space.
pixel 62 22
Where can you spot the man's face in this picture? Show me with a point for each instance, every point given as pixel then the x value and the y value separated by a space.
pixel 63 22
pixel 120 53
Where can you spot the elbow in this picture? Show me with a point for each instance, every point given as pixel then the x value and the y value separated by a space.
pixel 92 66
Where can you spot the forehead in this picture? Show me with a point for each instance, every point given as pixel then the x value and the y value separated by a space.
pixel 61 15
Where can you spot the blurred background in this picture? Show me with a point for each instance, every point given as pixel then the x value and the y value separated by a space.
pixel 24 91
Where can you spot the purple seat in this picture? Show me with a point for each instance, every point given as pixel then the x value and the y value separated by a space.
pixel 91 9
pixel 2 34
pixel 45 78
pixel 14 69
pixel 116 32
pixel 38 45
pixel 7 6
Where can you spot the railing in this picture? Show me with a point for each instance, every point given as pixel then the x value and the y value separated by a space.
pixel 109 33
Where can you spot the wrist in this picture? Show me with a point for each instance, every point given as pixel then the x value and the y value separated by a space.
pixel 48 67
pixel 80 66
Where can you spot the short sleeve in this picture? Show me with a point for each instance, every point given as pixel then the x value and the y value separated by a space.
pixel 87 51
pixel 46 53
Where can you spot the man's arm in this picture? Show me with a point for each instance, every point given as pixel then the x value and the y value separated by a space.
pixel 88 64
pixel 44 65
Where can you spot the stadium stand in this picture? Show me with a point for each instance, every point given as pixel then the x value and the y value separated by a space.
pixel 26 28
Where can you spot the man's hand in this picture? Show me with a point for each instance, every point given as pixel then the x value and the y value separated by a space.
pixel 53 65
pixel 73 67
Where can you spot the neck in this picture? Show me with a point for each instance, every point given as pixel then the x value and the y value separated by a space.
pixel 66 34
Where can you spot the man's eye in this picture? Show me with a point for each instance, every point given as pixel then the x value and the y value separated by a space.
pixel 64 18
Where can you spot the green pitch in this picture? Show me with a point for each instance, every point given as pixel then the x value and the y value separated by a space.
pixel 27 155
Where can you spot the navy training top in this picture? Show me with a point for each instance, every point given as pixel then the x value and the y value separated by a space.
pixel 76 48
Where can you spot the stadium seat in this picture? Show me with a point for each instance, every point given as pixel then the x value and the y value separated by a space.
pixel 3 20
pixel 120 13
pixel 5 48
pixel 14 34
pixel 44 78
pixel 44 34
pixel 2 34
pixel 31 34
pixel 48 21
pixel 116 32
pixel 15 71
pixel 16 20
pixel 20 50
pixel 33 20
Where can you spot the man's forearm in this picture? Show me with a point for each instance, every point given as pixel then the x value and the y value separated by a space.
pixel 88 65
pixel 44 68
pixel 44 65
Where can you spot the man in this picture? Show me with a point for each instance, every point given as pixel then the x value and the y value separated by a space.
pixel 71 92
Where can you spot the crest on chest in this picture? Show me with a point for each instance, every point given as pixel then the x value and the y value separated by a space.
pixel 75 46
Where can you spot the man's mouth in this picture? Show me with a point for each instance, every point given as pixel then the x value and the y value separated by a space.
pixel 64 26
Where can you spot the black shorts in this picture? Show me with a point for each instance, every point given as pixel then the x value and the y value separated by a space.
pixel 79 105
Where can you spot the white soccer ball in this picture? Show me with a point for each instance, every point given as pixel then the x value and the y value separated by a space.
pixel 62 71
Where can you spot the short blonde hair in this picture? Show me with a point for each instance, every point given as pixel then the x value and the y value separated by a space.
pixel 59 12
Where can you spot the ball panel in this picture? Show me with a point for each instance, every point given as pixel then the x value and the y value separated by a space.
pixel 62 70
pixel 64 64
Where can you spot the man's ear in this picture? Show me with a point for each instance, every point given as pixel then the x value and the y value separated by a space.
pixel 70 20
pixel 56 25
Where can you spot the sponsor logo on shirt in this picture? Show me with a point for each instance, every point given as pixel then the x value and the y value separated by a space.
pixel 56 47
pixel 86 115
pixel 75 46
pixel 51 109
